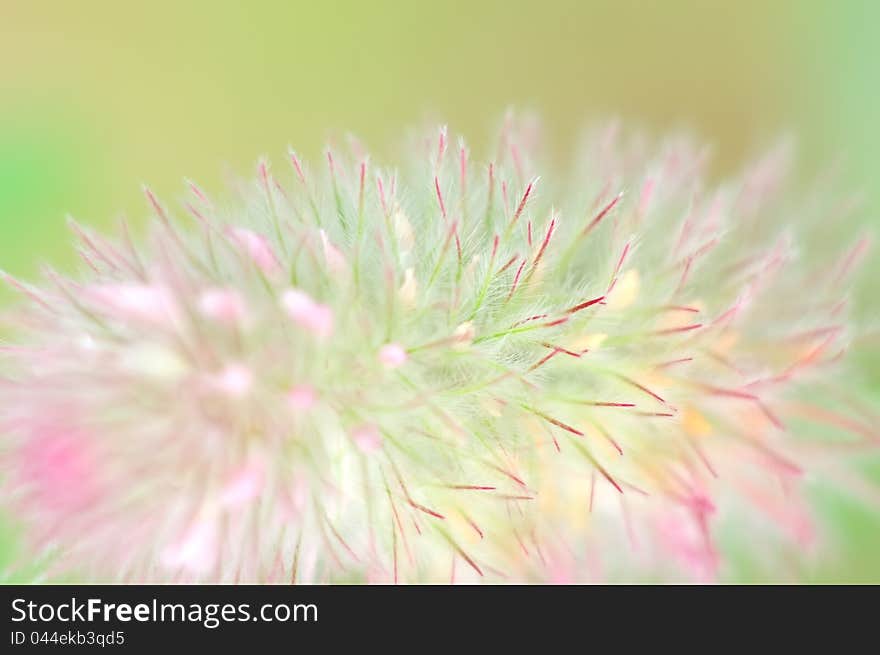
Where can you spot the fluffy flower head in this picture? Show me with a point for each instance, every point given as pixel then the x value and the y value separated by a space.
pixel 447 371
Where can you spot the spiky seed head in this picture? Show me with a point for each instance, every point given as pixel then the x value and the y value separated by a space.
pixel 444 371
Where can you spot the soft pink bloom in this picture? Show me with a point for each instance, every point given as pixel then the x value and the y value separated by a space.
pixel 367 438
pixel 299 496
pixel 687 542
pixel 302 397
pixel 257 248
pixel 392 355
pixel 685 534
pixel 57 464
pixel 332 255
pixel 222 305
pixel 184 415
pixel 561 569
pixel 305 312
pixel 196 550
pixel 234 380
pixel 243 486
pixel 149 303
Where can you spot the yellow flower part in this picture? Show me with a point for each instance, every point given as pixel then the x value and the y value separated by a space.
pixel 694 423
pixel 625 291
pixel 588 342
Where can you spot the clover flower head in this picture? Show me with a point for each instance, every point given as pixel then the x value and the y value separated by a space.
pixel 453 370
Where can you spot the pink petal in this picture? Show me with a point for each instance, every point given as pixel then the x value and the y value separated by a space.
pixel 243 486
pixel 59 467
pixel 332 255
pixel 305 312
pixel 302 397
pixel 367 438
pixel 222 305
pixel 235 380
pixel 256 247
pixel 141 302
pixel 392 355
pixel 196 551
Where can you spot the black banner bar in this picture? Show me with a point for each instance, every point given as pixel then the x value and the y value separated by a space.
pixel 177 617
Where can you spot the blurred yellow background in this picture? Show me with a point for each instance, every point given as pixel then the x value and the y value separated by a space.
pixel 97 98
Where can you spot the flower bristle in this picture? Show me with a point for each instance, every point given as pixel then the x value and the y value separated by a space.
pixel 453 371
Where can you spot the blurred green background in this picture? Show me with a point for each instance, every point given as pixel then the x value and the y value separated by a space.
pixel 99 97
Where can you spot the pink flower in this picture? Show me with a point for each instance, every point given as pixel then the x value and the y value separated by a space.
pixel 195 551
pixel 243 486
pixel 57 464
pixel 686 538
pixel 332 255
pixel 184 414
pixel 148 303
pixel 257 248
pixel 234 380
pixel 367 438
pixel 305 312
pixel 302 397
pixel 392 355
pixel 222 305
